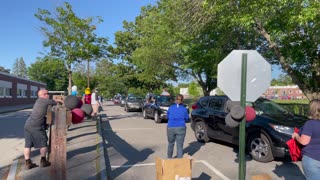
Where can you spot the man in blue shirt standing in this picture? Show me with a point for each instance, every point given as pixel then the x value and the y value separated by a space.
pixel 176 129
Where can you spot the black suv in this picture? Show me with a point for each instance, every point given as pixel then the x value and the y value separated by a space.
pixel 266 135
pixel 156 107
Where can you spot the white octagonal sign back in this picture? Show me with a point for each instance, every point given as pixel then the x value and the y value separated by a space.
pixel 258 75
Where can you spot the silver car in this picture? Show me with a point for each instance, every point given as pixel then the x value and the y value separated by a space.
pixel 133 103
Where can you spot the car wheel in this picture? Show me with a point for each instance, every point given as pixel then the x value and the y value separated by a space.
pixel 157 118
pixel 201 132
pixel 144 114
pixel 259 148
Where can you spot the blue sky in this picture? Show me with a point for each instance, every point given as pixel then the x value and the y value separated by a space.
pixel 20 33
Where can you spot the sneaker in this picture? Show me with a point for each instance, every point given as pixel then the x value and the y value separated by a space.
pixel 44 163
pixel 30 165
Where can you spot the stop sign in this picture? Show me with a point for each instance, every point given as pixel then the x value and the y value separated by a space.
pixel 258 75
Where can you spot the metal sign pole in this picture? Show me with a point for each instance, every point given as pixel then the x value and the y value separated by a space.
pixel 242 133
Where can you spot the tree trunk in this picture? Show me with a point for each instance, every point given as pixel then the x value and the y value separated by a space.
pixel 70 79
pixel 284 64
pixel 88 73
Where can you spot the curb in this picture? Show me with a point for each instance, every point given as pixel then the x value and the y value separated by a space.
pixel 101 165
pixel 13 170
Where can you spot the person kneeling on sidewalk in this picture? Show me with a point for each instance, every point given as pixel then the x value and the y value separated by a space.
pixel 35 129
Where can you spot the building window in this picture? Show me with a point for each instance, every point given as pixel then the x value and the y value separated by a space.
pixel 5 89
pixel 7 92
pixel 34 91
pixel 290 92
pixel 22 91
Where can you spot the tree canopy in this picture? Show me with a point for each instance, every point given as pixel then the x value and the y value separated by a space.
pixel 19 68
pixel 50 71
pixel 70 38
pixel 287 33
pixel 2 69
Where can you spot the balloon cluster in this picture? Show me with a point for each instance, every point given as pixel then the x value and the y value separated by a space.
pixel 236 113
pixel 78 109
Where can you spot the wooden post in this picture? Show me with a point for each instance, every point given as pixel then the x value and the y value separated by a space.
pixel 49 122
pixel 58 144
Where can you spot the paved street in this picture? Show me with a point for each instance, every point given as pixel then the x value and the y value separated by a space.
pixel 132 144
pixel 11 137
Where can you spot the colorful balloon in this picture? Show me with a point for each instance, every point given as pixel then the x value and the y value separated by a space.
pixel 250 114
pixel 77 115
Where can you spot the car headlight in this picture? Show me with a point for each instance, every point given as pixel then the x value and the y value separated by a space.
pixel 283 129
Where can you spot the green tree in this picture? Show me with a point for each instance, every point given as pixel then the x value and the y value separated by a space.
pixel 132 73
pixel 168 48
pixel 287 33
pixel 282 80
pixel 19 68
pixel 71 38
pixel 80 77
pixel 2 69
pixel 193 89
pixel 50 71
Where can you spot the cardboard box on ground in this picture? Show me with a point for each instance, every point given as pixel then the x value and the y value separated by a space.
pixel 174 169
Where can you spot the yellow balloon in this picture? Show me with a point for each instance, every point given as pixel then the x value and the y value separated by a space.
pixel 87 91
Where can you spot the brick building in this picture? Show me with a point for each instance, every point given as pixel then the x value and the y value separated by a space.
pixel 284 92
pixel 16 90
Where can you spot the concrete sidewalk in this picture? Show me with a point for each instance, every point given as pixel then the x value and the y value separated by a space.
pixel 6 109
pixel 85 154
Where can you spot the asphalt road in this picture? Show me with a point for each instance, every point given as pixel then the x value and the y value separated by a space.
pixel 11 138
pixel 132 144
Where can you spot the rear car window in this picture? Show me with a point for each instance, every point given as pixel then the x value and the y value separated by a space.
pixel 216 104
pixel 204 103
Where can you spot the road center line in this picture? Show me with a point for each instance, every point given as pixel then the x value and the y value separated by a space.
pixel 197 161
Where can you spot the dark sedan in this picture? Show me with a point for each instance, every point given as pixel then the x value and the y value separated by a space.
pixel 266 135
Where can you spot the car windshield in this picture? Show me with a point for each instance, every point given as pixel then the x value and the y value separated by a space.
pixel 263 106
pixel 165 100
pixel 134 99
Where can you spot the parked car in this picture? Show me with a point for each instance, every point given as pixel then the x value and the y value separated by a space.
pixel 122 101
pixel 116 101
pixel 156 107
pixel 133 103
pixel 266 135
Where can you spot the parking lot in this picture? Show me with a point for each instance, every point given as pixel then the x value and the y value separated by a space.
pixel 132 144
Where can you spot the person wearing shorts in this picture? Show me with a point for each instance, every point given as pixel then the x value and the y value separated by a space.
pixel 35 129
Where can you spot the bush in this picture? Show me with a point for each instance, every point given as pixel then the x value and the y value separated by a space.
pixel 300 107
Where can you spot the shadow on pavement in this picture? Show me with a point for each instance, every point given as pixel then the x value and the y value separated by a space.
pixel 110 118
pixel 81 135
pixel 288 171
pixel 132 155
pixel 193 148
pixel 75 128
pixel 203 176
